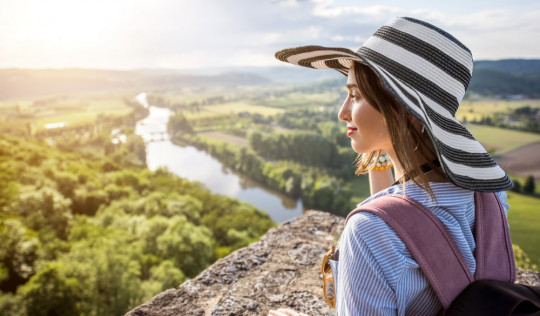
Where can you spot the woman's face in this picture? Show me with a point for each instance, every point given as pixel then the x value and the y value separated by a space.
pixel 365 125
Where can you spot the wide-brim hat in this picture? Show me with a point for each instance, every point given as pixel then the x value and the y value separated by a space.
pixel 427 70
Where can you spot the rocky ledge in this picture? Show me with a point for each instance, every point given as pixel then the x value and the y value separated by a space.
pixel 282 269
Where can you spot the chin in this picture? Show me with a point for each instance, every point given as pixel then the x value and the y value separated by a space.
pixel 358 149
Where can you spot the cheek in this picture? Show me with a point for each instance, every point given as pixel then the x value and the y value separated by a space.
pixel 373 133
pixel 368 119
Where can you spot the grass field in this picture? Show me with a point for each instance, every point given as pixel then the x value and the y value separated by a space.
pixel 500 139
pixel 303 99
pixel 209 111
pixel 477 109
pixel 78 118
pixel 524 220
pixel 23 103
pixel 72 110
pixel 231 139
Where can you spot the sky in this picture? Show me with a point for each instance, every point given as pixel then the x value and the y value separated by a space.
pixel 190 34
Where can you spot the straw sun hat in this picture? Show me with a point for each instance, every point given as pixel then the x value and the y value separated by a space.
pixel 428 71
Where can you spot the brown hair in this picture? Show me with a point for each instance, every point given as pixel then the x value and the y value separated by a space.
pixel 413 146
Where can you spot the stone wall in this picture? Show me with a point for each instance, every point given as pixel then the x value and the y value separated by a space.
pixel 280 270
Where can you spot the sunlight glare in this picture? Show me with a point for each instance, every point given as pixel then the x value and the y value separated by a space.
pixel 66 24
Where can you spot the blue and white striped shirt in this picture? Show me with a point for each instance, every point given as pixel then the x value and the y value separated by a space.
pixel 376 274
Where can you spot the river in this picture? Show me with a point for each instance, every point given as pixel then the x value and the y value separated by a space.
pixel 196 165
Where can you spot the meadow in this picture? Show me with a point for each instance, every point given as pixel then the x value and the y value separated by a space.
pixel 73 110
pixel 232 108
pixel 524 221
pixel 499 141
pixel 471 110
pixel 224 137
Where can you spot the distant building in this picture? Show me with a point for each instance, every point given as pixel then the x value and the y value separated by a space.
pixel 55 125
pixel 515 97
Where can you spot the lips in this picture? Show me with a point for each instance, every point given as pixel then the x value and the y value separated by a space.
pixel 351 130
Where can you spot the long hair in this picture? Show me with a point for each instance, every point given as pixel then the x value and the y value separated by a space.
pixel 411 143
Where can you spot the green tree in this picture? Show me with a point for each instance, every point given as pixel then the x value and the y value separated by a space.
pixel 183 205
pixel 529 187
pixel 106 264
pixel 66 183
pixel 18 253
pixel 135 144
pixel 87 200
pixel 8 189
pixel 167 275
pixel 44 210
pixel 517 186
pixel 179 123
pixel 11 305
pixel 52 291
pixel 190 247
pixel 522 259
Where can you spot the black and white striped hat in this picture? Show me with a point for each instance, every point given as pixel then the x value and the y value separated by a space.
pixel 428 71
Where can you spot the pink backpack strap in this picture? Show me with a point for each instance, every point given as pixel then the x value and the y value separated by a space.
pixel 430 244
pixel 427 240
pixel 494 253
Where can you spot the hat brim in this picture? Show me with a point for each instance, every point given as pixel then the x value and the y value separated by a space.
pixel 320 57
pixel 463 159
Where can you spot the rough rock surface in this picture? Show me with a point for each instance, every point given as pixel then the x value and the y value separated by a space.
pixel 280 270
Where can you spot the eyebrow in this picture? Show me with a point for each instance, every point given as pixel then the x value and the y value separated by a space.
pixel 352 85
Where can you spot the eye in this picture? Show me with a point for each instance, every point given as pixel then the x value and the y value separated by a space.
pixel 354 96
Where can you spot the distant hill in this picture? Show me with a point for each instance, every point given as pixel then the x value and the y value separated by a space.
pixel 22 83
pixel 500 78
pixel 523 66
pixel 507 77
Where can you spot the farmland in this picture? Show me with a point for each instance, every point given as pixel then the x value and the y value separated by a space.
pixel 232 108
pixel 72 110
pixel 499 140
pixel 470 110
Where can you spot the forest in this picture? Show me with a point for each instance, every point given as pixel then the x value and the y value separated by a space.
pixel 85 233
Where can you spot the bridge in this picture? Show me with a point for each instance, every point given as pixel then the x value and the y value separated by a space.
pixel 150 137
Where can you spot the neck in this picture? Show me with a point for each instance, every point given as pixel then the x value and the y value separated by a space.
pixel 398 169
pixel 399 172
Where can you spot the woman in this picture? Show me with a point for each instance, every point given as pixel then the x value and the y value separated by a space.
pixel 404 86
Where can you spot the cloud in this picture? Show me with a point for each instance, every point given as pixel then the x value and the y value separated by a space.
pixel 355 39
pixel 367 14
pixel 182 33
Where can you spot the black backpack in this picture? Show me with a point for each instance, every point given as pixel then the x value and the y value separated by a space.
pixel 491 291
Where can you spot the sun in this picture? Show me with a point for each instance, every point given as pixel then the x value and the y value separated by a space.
pixel 59 32
pixel 65 23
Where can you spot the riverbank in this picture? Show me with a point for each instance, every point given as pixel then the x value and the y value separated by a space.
pixel 186 161
pixel 317 189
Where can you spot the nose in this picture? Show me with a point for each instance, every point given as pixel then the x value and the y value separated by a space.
pixel 345 111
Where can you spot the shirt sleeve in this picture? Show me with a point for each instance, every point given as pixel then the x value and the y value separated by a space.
pixel 362 287
pixel 502 197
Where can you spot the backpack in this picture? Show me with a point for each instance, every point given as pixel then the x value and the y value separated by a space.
pixel 491 291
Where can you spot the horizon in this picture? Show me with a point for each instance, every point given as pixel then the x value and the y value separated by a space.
pixel 181 35
pixel 215 69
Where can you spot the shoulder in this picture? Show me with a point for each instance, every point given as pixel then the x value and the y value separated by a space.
pixel 371 242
